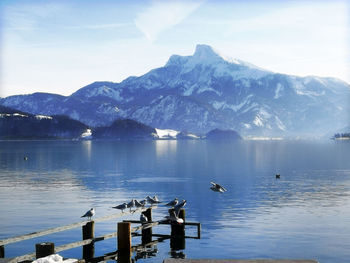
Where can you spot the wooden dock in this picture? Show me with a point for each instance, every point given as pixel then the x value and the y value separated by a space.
pixel 123 235
pixel 172 260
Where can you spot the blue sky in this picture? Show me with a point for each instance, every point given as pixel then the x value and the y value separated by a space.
pixel 61 46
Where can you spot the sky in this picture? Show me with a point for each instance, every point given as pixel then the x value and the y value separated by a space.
pixel 60 46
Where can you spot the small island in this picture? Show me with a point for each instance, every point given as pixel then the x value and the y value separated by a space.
pixel 342 136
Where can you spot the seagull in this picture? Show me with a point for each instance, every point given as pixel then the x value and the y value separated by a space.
pixel 152 201
pixel 121 207
pixel 143 218
pixel 143 202
pixel 173 203
pixel 139 204
pixel 173 218
pixel 217 188
pixel 89 213
pixel 179 206
pixel 131 204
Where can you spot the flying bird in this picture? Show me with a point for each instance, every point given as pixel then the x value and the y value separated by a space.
pixel 217 188
pixel 278 176
pixel 173 202
pixel 121 207
pixel 89 214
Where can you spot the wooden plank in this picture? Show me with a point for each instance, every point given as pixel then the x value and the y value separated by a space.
pixel 84 242
pixel 30 256
pixel 171 260
pixel 63 228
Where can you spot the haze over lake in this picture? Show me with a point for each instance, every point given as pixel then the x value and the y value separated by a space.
pixel 305 214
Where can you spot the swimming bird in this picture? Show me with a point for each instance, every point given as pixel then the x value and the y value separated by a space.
pixel 217 188
pixel 152 201
pixel 173 202
pixel 143 218
pixel 121 207
pixel 179 206
pixel 278 176
pixel 89 214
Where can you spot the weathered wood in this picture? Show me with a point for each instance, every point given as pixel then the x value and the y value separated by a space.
pixel 147 232
pixel 177 240
pixel 66 247
pixel 63 228
pixel 2 251
pixel 178 260
pixel 178 229
pixel 124 237
pixel 88 232
pixel 44 249
pixel 84 242
pixel 124 242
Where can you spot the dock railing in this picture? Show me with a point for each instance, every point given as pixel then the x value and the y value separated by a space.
pixel 123 234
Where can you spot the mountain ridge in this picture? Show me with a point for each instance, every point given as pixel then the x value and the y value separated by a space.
pixel 205 91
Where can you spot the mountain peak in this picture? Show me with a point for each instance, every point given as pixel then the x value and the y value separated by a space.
pixel 205 52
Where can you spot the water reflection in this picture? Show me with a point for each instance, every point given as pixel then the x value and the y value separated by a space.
pixel 308 206
pixel 165 148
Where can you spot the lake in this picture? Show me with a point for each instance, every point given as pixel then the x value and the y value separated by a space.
pixel 304 214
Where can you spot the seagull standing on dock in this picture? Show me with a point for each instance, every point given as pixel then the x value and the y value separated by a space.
pixel 152 201
pixel 173 203
pixel 173 218
pixel 139 204
pixel 131 204
pixel 217 188
pixel 121 207
pixel 179 206
pixel 143 218
pixel 89 214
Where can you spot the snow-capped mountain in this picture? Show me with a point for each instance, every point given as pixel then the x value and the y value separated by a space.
pixel 205 91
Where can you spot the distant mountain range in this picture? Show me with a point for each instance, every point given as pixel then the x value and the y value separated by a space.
pixel 22 125
pixel 16 124
pixel 203 92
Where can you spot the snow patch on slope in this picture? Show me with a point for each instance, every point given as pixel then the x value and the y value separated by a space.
pixel 278 90
pixel 167 133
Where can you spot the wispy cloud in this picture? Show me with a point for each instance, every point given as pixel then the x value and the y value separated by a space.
pixel 28 16
pixel 162 15
pixel 100 26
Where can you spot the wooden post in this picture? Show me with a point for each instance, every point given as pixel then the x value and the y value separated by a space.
pixel 124 237
pixel 44 249
pixel 124 242
pixel 177 240
pixel 2 251
pixel 178 229
pixel 88 231
pixel 147 233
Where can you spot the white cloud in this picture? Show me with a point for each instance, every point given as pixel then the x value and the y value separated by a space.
pixel 162 15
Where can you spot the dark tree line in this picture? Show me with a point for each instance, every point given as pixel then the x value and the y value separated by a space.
pixel 342 135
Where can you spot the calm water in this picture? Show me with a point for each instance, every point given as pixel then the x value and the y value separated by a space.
pixel 305 214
